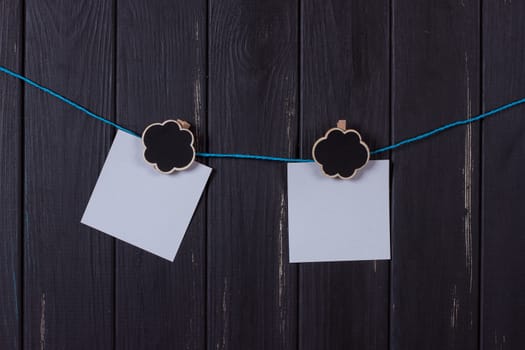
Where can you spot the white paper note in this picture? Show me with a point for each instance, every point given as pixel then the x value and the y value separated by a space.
pixel 337 220
pixel 133 202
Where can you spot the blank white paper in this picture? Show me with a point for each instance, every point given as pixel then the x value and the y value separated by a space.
pixel 133 202
pixel 338 220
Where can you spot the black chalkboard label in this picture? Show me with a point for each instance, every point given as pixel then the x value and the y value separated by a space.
pixel 168 146
pixel 341 153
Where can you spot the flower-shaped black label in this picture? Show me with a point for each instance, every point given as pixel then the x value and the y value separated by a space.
pixel 168 146
pixel 341 153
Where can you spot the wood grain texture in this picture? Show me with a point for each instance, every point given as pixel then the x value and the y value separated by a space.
pixel 243 72
pixel 435 262
pixel 503 191
pixel 252 109
pixel 161 61
pixel 345 69
pixel 68 295
pixel 10 177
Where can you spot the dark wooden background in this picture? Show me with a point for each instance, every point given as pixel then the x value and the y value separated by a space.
pixel 265 77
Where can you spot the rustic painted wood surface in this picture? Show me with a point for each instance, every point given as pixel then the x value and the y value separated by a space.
pixel 435 184
pixel 252 109
pixel 264 77
pixel 68 284
pixel 503 227
pixel 345 72
pixel 161 71
pixel 11 149
pixel 68 268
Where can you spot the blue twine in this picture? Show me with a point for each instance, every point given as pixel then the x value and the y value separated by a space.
pixel 449 126
pixel 66 100
pixel 253 156
pixel 258 157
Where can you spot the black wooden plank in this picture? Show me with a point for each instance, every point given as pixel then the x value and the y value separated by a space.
pixel 161 61
pixel 252 109
pixel 345 74
pixel 503 192
pixel 68 296
pixel 10 177
pixel 435 182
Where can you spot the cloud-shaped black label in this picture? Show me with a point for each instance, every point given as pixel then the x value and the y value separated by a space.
pixel 168 146
pixel 341 153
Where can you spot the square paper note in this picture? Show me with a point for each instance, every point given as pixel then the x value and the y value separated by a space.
pixel 335 220
pixel 133 202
